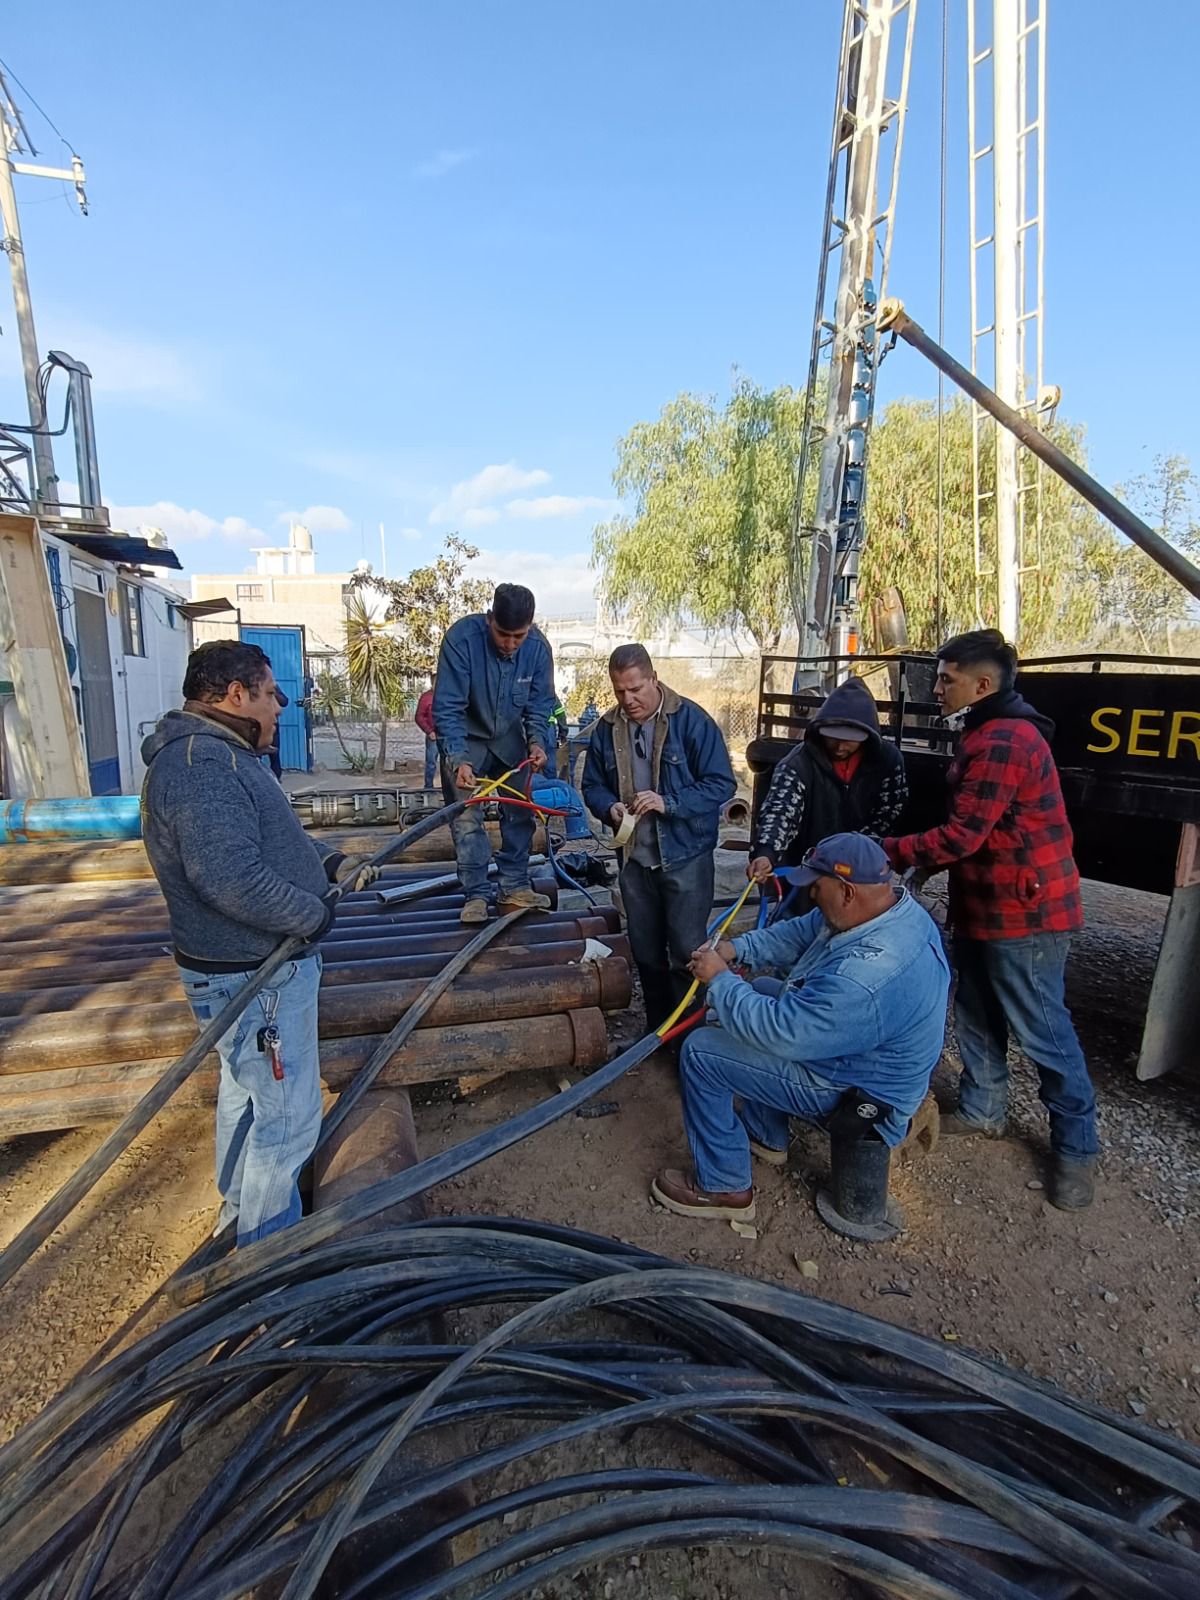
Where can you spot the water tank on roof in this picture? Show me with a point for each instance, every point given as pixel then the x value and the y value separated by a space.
pixel 302 539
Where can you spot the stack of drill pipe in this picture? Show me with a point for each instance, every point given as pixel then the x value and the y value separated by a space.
pixel 91 1012
pixel 99 861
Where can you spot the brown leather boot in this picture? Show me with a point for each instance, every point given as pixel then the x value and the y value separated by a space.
pixel 680 1192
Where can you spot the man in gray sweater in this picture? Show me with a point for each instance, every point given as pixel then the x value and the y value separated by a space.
pixel 239 874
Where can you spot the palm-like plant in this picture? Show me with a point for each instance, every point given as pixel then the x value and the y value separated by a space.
pixel 333 696
pixel 373 665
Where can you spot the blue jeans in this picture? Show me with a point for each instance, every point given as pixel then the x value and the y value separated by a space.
pixel 431 761
pixel 666 911
pixel 1015 986
pixel 473 848
pixel 266 1126
pixel 714 1067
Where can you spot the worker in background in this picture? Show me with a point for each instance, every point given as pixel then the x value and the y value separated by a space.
pixel 841 778
pixel 240 874
pixel 1014 904
pixel 588 718
pixel 861 1016
pixel 492 699
pixel 659 760
pixel 560 735
pixel 423 717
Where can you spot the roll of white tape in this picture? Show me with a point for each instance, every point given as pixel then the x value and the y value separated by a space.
pixel 625 832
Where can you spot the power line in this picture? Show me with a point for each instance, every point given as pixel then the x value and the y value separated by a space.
pixel 4 67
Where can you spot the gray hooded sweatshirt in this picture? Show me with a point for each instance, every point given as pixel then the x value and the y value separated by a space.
pixel 237 869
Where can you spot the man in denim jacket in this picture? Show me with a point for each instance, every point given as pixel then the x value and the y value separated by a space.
pixel 492 699
pixel 862 1007
pixel 660 759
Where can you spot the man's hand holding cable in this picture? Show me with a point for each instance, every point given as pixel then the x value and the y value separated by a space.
pixel 537 757
pixel 707 964
pixel 464 776
pixel 760 869
pixel 646 801
pixel 616 815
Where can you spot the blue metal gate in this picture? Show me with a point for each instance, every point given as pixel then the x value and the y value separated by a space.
pixel 285 646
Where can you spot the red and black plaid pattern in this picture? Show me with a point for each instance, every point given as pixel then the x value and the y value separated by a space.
pixel 1007 842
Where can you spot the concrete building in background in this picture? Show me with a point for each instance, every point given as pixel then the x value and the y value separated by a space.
pixel 283 589
pixel 575 639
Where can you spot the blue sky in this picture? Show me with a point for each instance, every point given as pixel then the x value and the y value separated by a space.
pixel 424 264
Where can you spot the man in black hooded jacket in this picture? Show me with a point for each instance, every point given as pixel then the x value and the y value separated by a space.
pixel 841 778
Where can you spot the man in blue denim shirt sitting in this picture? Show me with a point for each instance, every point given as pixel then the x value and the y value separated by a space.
pixel 863 1007
pixel 661 760
pixel 492 699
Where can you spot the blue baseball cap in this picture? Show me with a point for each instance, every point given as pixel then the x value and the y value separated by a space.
pixel 850 856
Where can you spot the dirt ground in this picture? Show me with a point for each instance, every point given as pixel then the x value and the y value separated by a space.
pixel 1106 1302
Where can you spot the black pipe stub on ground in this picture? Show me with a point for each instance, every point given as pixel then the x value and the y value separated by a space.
pixel 856 1202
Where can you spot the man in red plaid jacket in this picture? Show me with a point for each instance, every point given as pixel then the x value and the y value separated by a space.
pixel 1014 903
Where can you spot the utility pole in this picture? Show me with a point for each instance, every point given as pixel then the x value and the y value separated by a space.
pixel 16 140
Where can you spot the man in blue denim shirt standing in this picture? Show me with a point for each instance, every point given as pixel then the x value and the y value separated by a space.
pixel 661 760
pixel 492 699
pixel 862 1008
pixel 239 874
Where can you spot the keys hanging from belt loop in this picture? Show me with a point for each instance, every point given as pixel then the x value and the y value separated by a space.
pixel 271 1044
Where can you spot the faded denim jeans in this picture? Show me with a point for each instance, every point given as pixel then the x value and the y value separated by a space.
pixel 431 761
pixel 473 848
pixel 267 1127
pixel 1015 987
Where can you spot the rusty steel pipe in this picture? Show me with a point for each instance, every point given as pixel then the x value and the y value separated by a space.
pixel 93 1037
pixel 40 1102
pixel 93 863
pixel 109 917
pixel 128 944
pixel 160 980
pixel 50 971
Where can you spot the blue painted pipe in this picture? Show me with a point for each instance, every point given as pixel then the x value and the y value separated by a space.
pixel 109 816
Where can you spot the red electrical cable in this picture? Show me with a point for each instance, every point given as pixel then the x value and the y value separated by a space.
pixel 682 1027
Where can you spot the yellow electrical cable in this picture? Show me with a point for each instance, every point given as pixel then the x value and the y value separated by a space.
pixel 484 789
pixel 712 944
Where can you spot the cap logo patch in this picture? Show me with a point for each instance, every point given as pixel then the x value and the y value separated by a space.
pixel 842 869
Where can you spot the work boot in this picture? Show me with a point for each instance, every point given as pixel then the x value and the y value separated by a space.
pixel 768 1153
pixel 680 1192
pixel 475 910
pixel 953 1125
pixel 1072 1182
pixel 514 899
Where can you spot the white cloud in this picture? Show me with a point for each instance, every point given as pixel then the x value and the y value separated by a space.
pixel 563 585
pixel 186 527
pixel 493 483
pixel 411 533
pixel 443 162
pixel 559 505
pixel 479 516
pixel 318 519
pixel 124 364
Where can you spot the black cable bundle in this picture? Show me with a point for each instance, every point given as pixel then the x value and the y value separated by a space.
pixel 772 1402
